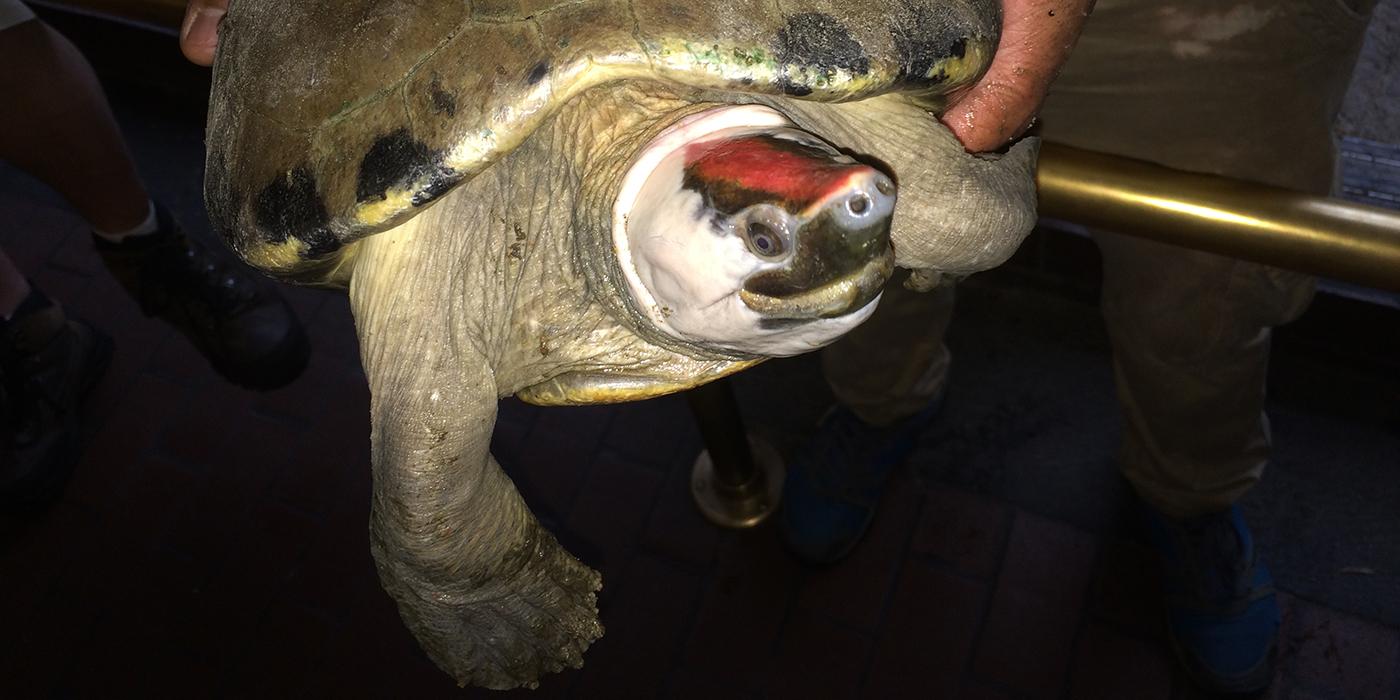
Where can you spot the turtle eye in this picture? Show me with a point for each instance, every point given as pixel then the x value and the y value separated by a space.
pixel 764 241
pixel 767 231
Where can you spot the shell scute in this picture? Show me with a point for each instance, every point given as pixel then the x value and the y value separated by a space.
pixel 707 45
pixel 821 42
pixel 589 36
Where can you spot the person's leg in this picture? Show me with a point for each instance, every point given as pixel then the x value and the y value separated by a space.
pixel 1190 334
pixel 891 366
pixel 55 124
pixel 888 377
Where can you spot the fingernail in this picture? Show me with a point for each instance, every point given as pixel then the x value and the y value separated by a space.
pixel 202 26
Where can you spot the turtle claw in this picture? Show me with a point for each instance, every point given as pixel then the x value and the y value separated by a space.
pixel 511 630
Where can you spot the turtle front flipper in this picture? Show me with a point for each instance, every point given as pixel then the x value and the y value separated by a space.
pixel 490 594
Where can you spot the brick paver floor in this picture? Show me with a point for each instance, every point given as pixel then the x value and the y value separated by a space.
pixel 213 543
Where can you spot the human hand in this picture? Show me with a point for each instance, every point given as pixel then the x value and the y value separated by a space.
pixel 1036 39
pixel 199 33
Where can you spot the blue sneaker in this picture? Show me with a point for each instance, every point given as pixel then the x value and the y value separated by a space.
pixel 834 483
pixel 1222 612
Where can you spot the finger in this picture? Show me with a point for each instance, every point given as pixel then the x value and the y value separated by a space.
pixel 1037 36
pixel 199 33
pixel 999 108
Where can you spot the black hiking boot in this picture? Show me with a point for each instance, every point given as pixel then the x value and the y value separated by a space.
pixel 48 365
pixel 238 322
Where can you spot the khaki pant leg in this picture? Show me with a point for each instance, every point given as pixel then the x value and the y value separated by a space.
pixel 893 364
pixel 1190 334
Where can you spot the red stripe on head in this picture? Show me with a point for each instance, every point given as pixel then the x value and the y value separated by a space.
pixel 785 169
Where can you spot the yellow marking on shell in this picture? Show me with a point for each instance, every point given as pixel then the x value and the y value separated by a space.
pixel 966 68
pixel 831 80
pixel 728 64
pixel 277 256
pixel 394 202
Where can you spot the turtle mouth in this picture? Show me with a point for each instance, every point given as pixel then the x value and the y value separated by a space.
pixel 837 297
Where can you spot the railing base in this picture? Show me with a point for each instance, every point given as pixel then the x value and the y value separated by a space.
pixel 744 506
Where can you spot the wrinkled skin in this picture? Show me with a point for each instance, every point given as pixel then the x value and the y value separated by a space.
pixel 501 306
pixel 509 284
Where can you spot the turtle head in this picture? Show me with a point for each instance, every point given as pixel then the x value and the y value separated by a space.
pixel 739 231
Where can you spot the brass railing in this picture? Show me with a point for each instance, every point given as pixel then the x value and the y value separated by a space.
pixel 1329 237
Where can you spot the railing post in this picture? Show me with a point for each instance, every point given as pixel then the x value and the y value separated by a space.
pixel 737 480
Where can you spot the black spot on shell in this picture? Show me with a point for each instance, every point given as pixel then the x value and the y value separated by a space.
pixel 291 206
pixel 819 40
pixel 442 101
pixel 319 243
pixel 537 73
pixel 821 44
pixel 959 47
pixel 399 160
pixel 438 183
pixel 923 37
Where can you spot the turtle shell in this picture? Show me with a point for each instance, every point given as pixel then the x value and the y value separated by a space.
pixel 333 119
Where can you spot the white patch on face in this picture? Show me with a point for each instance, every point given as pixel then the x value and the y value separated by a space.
pixel 683 274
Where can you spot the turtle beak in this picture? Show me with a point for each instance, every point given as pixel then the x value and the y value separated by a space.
pixel 841 257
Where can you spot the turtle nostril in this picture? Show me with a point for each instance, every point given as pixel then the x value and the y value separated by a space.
pixel 884 186
pixel 859 204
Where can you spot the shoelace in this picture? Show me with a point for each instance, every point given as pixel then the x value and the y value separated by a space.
pixel 212 292
pixel 227 289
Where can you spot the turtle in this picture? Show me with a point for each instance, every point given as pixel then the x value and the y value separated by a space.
pixel 584 201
